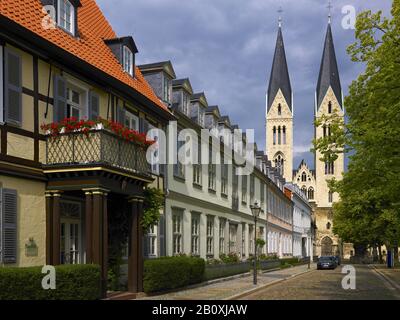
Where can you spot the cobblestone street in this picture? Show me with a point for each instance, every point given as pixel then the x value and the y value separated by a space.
pixel 326 285
pixel 230 288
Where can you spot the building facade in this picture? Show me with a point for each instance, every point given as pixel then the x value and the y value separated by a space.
pixel 207 211
pixel 61 195
pixel 302 222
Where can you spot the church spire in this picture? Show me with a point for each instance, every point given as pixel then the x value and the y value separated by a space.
pixel 329 72
pixel 279 73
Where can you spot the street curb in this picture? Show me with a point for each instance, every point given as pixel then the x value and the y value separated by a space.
pixel 254 290
pixel 384 276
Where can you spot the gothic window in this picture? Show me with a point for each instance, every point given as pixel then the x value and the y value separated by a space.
pixel 279 163
pixel 304 190
pixel 279 110
pixel 330 107
pixel 284 135
pixel 330 197
pixel 329 168
pixel 274 133
pixel 328 226
pixel 279 135
pixel 329 131
pixel 303 177
pixel 310 194
pixel 324 128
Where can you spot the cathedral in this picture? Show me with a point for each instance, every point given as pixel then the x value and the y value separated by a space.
pixel 279 139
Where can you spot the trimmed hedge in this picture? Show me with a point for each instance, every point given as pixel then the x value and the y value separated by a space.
pixel 225 270
pixel 73 282
pixel 291 261
pixel 168 273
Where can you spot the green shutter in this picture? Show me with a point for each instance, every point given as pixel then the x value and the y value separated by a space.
pixel 94 106
pixel 8 226
pixel 13 87
pixel 60 98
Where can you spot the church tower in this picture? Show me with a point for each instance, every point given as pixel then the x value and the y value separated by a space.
pixel 328 101
pixel 279 112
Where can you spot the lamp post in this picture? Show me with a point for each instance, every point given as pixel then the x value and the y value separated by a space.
pixel 255 211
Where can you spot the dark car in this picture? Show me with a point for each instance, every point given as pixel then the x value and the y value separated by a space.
pixel 327 262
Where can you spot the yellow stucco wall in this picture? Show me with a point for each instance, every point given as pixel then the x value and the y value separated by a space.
pixel 20 146
pixel 31 218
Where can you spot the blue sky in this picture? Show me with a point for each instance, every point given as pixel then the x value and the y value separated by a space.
pixel 226 48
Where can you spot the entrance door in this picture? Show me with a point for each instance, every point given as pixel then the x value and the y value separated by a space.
pixel 326 247
pixel 71 233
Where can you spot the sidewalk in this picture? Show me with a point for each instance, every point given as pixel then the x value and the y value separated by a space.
pixel 232 288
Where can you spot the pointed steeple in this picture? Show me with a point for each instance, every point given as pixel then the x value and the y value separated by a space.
pixel 329 72
pixel 279 73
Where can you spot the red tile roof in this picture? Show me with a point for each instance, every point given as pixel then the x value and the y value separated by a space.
pixel 90 47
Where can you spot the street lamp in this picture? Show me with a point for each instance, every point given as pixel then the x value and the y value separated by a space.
pixel 255 211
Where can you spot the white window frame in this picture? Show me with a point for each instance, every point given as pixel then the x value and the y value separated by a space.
pixel 129 116
pixel 127 59
pixel 195 227
pixel 72 18
pixel 222 225
pixel 1 87
pixel 210 236
pixel 152 236
pixel 80 86
pixel 177 233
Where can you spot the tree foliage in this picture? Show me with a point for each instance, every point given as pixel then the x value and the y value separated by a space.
pixel 153 203
pixel 369 208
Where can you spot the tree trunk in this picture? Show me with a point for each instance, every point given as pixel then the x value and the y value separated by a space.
pixel 396 253
pixel 380 253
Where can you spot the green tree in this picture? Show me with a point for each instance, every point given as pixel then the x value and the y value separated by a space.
pixel 368 212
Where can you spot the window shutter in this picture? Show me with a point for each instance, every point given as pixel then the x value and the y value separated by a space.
pixel 146 245
pixel 60 99
pixel 8 226
pixel 94 105
pixel 13 87
pixel 143 125
pixel 161 236
pixel 121 115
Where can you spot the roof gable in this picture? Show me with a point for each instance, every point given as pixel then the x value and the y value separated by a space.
pixel 89 47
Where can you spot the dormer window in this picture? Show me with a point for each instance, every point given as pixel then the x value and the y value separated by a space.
pixel 124 49
pixel 127 60
pixel 185 103
pixel 166 89
pixel 66 16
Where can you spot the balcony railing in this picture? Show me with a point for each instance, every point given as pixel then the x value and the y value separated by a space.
pixel 98 147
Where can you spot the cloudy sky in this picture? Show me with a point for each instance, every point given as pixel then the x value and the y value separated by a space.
pixel 226 48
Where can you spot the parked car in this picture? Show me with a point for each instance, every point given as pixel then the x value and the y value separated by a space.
pixel 326 262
